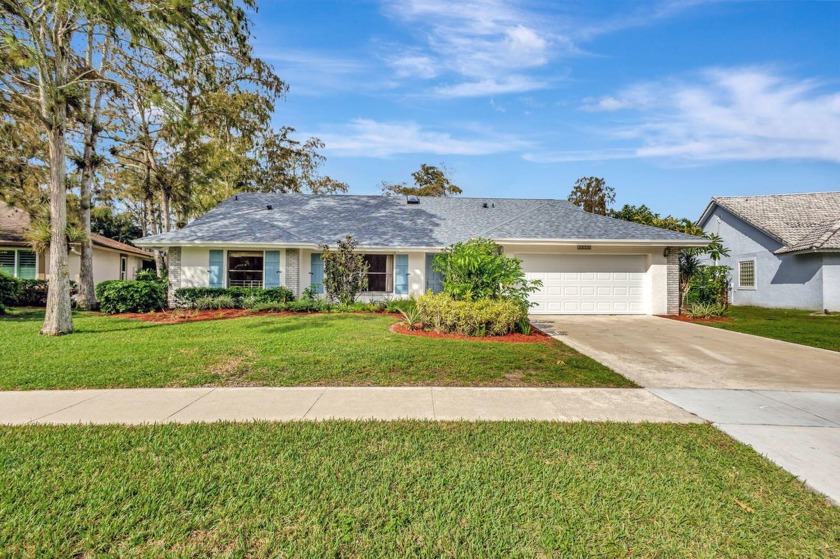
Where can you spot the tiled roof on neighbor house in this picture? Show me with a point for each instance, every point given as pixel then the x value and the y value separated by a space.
pixel 14 225
pixel 389 221
pixel 799 221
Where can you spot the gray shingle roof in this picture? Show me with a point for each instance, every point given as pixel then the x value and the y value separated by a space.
pixel 380 221
pixel 807 221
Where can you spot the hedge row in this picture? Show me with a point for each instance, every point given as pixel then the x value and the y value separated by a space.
pixel 17 292
pixel 241 296
pixel 485 317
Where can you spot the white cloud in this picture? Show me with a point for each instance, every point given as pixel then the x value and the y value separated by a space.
pixel 731 114
pixel 313 73
pixel 371 138
pixel 484 46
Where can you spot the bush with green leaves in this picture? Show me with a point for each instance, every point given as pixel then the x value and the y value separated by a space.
pixel 187 296
pixel 223 301
pixel 492 317
pixel 708 285
pixel 120 296
pixel 399 305
pixel 33 292
pixel 308 305
pixel 345 271
pixel 706 310
pixel 9 288
pixel 477 269
pixel 147 275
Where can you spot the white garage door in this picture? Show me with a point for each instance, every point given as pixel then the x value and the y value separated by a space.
pixel 591 284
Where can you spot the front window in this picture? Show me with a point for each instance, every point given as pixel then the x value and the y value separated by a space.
pixel 380 273
pixel 245 269
pixel 746 274
pixel 19 263
pixel 123 268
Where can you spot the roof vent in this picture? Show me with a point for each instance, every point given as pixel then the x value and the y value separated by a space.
pixel 269 207
pixel 412 200
pixel 584 247
pixel 485 205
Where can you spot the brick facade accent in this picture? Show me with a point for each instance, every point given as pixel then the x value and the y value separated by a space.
pixel 293 270
pixel 673 263
pixel 174 263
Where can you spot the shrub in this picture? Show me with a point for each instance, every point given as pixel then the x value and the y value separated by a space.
pixel 524 327
pixel 410 317
pixel 9 288
pixel 269 307
pixel 478 270
pixel 494 317
pixel 187 296
pixel 345 271
pixel 399 305
pixel 222 301
pixel 119 296
pixel 706 310
pixel 709 285
pixel 147 275
pixel 33 292
pixel 307 305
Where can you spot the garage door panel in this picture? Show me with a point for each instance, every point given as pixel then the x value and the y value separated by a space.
pixel 577 284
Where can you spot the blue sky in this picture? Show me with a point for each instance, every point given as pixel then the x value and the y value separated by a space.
pixel 670 102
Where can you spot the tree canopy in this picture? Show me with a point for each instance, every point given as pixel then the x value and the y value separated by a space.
pixel 429 180
pixel 593 195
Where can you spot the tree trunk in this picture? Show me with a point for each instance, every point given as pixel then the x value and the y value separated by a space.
pixel 59 317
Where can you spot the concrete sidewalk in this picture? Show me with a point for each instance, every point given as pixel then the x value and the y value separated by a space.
pixel 799 431
pixel 186 405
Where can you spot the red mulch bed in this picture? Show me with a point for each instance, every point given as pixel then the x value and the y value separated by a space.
pixel 185 315
pixel 535 336
pixel 178 316
pixel 684 318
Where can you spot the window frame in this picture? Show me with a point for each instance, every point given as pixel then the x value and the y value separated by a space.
pixel 123 267
pixel 226 270
pixel 16 263
pixel 388 274
pixel 754 274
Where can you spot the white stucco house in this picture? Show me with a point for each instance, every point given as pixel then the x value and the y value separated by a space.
pixel 784 248
pixel 112 260
pixel 588 264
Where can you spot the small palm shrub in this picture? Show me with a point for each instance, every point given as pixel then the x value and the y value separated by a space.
pixel 524 327
pixel 411 317
pixel 706 310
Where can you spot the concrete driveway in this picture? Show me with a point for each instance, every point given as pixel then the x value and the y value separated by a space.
pixel 662 353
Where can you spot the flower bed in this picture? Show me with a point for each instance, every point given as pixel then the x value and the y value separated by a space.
pixel 686 318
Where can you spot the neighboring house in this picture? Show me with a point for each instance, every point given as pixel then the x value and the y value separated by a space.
pixel 111 259
pixel 784 248
pixel 589 264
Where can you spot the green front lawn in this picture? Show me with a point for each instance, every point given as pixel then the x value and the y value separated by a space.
pixel 271 350
pixel 799 327
pixel 344 489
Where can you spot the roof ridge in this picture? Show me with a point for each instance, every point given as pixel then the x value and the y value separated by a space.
pixel 830 232
pixel 778 194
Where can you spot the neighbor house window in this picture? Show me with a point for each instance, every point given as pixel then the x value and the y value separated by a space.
pixel 746 274
pixel 123 268
pixel 380 273
pixel 245 269
pixel 19 263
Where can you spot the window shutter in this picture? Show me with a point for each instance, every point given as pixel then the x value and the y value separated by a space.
pixel 217 265
pixel 272 268
pixel 317 272
pixel 401 269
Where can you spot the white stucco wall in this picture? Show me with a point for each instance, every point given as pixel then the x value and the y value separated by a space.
pixel 106 265
pixel 793 281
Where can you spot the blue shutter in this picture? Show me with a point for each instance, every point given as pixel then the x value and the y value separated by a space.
pixel 217 266
pixel 401 269
pixel 272 268
pixel 317 272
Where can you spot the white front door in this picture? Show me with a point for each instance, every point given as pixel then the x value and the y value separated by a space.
pixel 587 284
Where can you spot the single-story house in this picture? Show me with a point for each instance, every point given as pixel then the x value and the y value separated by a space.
pixel 784 248
pixel 111 259
pixel 588 264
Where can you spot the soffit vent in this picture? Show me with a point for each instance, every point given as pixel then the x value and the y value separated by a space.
pixel 584 247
